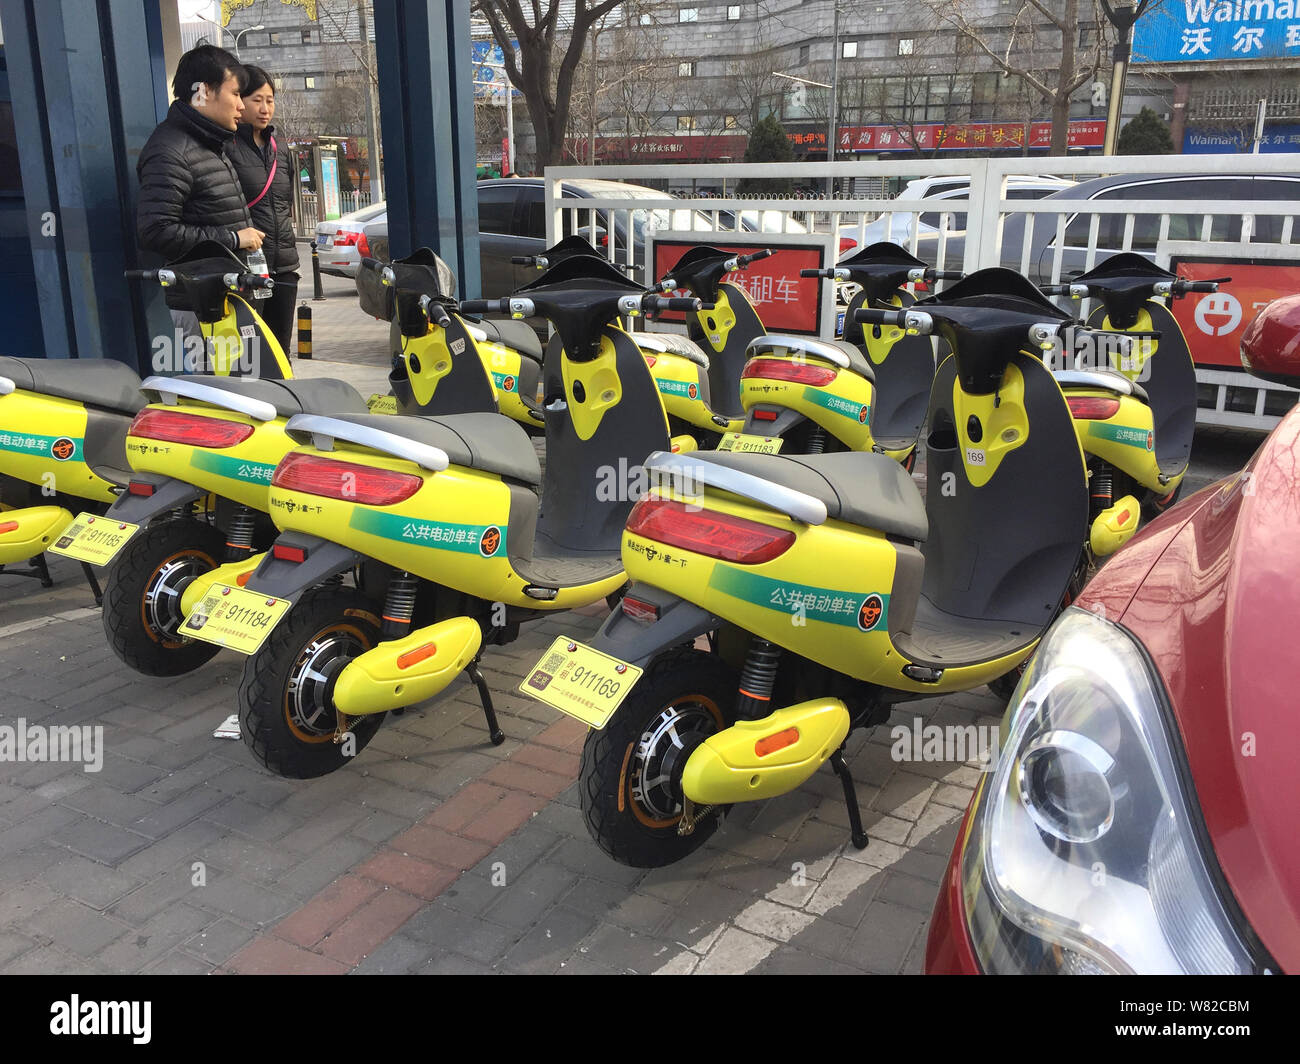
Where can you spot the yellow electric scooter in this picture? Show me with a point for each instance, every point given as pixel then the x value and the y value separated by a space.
pixel 1135 410
pixel 65 422
pixel 468 538
pixel 828 588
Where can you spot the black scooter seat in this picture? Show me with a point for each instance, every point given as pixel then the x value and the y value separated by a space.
pixel 858 487
pixel 100 382
pixel 490 442
pixel 313 396
pixel 514 334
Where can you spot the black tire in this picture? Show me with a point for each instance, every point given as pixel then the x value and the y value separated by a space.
pixel 633 829
pixel 278 721
pixel 1154 505
pixel 142 596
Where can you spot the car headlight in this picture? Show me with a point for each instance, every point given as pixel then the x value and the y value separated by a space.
pixel 1081 856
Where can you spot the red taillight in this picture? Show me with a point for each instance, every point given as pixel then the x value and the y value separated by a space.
pixel 715 535
pixel 344 480
pixel 1092 407
pixel 650 360
pixel 639 610
pixel 7 526
pixel 847 243
pixel 145 491
pixel 344 239
pixel 193 429
pixel 363 246
pixel 764 415
pixel 786 369
pixel 285 553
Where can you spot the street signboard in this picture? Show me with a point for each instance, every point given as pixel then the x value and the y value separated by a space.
pixel 1195 31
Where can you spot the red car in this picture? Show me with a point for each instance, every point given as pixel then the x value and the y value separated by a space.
pixel 1142 816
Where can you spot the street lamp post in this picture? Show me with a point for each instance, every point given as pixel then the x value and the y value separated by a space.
pixel 1123 19
pixel 835 80
pixel 251 29
pixel 504 82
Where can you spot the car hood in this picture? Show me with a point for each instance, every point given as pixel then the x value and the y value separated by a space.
pixel 1219 612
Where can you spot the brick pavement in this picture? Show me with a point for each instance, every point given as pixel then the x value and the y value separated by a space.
pixel 433 852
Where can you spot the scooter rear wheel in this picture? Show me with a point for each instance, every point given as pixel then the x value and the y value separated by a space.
pixel 143 591
pixel 630 781
pixel 286 715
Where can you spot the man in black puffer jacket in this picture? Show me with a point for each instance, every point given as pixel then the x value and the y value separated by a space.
pixel 189 190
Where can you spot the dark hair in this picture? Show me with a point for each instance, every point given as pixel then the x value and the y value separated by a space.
pixel 254 78
pixel 205 64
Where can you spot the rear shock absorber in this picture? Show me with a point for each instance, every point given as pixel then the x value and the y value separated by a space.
pixel 757 679
pixel 1103 489
pixel 816 440
pixel 239 539
pixel 399 605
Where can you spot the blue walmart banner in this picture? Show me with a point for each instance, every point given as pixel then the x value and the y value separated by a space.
pixel 1186 31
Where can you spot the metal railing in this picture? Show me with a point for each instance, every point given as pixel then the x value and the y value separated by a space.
pixel 1045 239
pixel 308 216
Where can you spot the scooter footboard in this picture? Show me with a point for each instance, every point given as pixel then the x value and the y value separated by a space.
pixel 677 621
pixel 298 561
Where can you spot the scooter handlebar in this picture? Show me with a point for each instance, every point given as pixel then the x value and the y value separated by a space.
pixel 435 312
pixel 1199 286
pixel 817 273
pixel 254 280
pixel 652 303
pixel 140 275
pixel 943 275
pixel 371 264
pixel 523 260
pixel 485 306
pixel 745 260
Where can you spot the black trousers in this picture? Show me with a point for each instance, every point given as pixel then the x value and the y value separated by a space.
pixel 279 311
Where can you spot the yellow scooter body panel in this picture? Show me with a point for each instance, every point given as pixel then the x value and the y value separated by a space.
pixel 231 351
pixel 842 407
pixel 402 672
pixel 1126 439
pixel 878 347
pixel 242 472
pixel 1114 526
pixel 42 442
pixel 718 322
pixel 453 531
pixel 680 390
pixel 502 364
pixel 26 532
pixel 826 598
pixel 232 574
pixel 756 759
pixel 1004 425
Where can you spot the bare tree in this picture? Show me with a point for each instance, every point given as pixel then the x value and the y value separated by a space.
pixel 546 85
pixel 1039 46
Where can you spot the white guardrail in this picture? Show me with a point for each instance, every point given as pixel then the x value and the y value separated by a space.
pixel 1045 239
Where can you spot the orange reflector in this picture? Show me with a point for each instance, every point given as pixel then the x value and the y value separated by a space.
pixel 770 744
pixel 8 526
pixel 413 657
pixel 1123 516
pixel 244 578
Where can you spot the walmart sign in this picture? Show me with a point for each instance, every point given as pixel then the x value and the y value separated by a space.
pixel 1186 31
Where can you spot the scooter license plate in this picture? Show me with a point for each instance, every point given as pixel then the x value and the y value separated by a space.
pixel 581 682
pixel 234 618
pixel 94 539
pixel 743 443
pixel 382 404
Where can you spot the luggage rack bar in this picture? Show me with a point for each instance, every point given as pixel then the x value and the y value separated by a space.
pixel 692 468
pixel 169 388
pixel 321 431
pixel 677 345
pixel 7 387
pixel 769 344
pixel 1112 382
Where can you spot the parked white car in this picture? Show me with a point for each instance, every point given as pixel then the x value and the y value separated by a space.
pixel 898 227
pixel 344 242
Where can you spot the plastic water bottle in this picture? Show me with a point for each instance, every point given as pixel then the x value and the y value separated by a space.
pixel 257 264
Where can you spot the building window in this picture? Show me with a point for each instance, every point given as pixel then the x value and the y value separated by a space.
pixel 733 12
pixel 686 70
pixel 685 123
pixel 1087 36
pixel 728 121
pixel 646 19
pixel 278 83
pixel 803 54
pixel 905 45
pixel 688 14
pixel 309 82
pixel 340 78
pixel 849 50
pixel 277 38
pixel 306 36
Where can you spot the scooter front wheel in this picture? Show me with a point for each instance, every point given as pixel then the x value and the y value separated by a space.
pixel 630 781
pixel 142 596
pixel 286 710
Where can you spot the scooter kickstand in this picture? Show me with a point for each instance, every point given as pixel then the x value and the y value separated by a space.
pixel 94 584
pixel 859 836
pixel 485 696
pixel 42 570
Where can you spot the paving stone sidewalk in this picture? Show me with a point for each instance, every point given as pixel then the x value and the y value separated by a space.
pixel 433 852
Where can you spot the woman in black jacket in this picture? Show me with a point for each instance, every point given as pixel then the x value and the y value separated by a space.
pixel 266 175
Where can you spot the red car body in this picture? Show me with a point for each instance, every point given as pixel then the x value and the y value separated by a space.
pixel 1210 591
